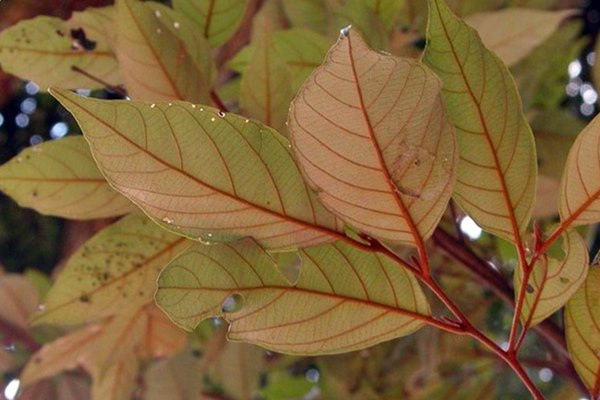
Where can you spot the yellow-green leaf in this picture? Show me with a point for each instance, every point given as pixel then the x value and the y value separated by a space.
pixel 218 20
pixel 497 169
pixel 553 281
pixel 512 33
pixel 315 15
pixel 162 53
pixel 113 272
pixel 238 369
pixel 42 50
pixel 60 178
pixel 266 88
pixel 201 173
pixel 371 135
pixel 119 380
pixel 345 298
pixel 582 328
pixel 361 16
pixel 579 196
pixel 387 11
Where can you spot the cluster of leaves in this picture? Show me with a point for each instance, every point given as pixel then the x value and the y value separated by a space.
pixel 309 209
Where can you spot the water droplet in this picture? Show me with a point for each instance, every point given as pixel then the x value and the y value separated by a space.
pixel 213 119
pixel 158 31
pixel 345 32
pixel 170 104
pixel 152 105
pixel 312 375
pixel 41 307
pixel 167 220
pixel 193 106
pixel 233 303
pixel 157 13
pixel 246 121
pixel 221 114
pixel 19 159
pixel 210 235
pixel 176 25
pixel 10 348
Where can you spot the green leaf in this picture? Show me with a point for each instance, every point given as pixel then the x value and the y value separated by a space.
pixel 286 387
pixel 314 15
pixel 387 11
pixel 579 196
pixel 512 33
pixel 113 272
pixel 42 50
pixel 60 178
pixel 553 281
pixel 218 20
pixel 583 331
pixel 497 170
pixel 358 14
pixel 203 174
pixel 345 299
pixel 162 54
pixel 371 135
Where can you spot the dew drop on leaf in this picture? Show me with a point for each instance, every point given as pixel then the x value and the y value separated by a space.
pixel 345 32
pixel 176 25
pixel 233 303
pixel 157 13
pixel 167 220
pixel 221 114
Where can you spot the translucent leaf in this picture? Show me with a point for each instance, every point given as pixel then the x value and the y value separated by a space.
pixel 218 20
pixel 201 173
pixel 370 133
pixel 60 178
pixel 162 54
pixel 44 49
pixel 114 271
pixel 345 299
pixel 553 281
pixel 497 169
pixel 512 33
pixel 583 331
pixel 579 195
pixel 358 14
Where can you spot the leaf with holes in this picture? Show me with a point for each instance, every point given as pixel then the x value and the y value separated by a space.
pixel 218 20
pixel 370 133
pixel 582 326
pixel 497 169
pixel 162 54
pixel 113 272
pixel 61 178
pixel 512 33
pixel 44 49
pixel 345 298
pixel 157 155
pixel 553 280
pixel 579 195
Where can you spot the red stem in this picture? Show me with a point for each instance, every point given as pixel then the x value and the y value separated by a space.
pixel 217 101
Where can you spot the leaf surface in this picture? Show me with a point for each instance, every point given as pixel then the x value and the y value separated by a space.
pixel 162 54
pixel 582 329
pixel 553 281
pixel 42 50
pixel 113 272
pixel 60 178
pixel 177 378
pixel 512 33
pixel 387 10
pixel 315 15
pixel 19 299
pixel 239 369
pixel 497 169
pixel 157 155
pixel 345 299
pixel 578 201
pixel 370 133
pixel 119 380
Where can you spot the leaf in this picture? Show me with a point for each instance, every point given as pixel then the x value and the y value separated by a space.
pixel 158 156
pixel 265 89
pixel 358 14
pixel 512 33
pixel 239 369
pixel 119 382
pixel 387 11
pixel 553 281
pixel 218 20
pixel 345 299
pixel 60 178
pixel 19 299
pixel 314 15
pixel 582 330
pixel 42 49
pixel 162 54
pixel 64 388
pixel 176 378
pixel 113 272
pixel 497 168
pixel 370 133
pixel 578 200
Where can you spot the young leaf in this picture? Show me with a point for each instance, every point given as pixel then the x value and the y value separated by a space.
pixel 218 20
pixel 60 178
pixel 44 50
pixel 112 273
pixel 497 170
pixel 512 33
pixel 553 281
pixel 162 54
pixel 345 299
pixel 203 174
pixel 582 328
pixel 578 201
pixel 370 133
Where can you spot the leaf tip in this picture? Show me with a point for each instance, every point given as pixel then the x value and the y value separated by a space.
pixel 345 31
